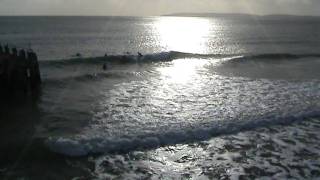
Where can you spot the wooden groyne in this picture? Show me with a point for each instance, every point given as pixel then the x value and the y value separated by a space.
pixel 19 70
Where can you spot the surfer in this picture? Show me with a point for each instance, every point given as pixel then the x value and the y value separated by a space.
pixel 78 55
pixel 104 67
pixel 139 55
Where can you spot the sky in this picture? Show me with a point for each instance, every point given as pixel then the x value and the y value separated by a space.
pixel 156 7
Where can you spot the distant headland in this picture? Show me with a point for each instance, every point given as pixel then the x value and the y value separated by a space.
pixel 241 15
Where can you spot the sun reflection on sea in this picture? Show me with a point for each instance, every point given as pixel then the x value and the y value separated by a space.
pixel 184 34
pixel 181 71
pixel 181 78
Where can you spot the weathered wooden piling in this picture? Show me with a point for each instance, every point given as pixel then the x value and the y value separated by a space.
pixel 2 67
pixel 6 49
pixel 19 71
pixel 33 69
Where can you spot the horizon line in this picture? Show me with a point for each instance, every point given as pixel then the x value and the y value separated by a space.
pixel 169 14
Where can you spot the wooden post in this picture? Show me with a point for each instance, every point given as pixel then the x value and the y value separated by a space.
pixel 13 71
pixel 6 49
pixel 3 81
pixel 14 52
pixel 21 66
pixel 33 65
pixel 1 50
pixel 4 57
pixel 22 54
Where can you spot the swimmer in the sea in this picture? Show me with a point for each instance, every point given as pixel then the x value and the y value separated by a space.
pixel 104 67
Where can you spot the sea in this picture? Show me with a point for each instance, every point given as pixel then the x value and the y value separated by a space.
pixel 165 98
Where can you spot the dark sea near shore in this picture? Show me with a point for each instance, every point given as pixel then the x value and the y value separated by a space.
pixel 211 98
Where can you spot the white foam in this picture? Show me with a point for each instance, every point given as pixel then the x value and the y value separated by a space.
pixel 67 146
pixel 98 141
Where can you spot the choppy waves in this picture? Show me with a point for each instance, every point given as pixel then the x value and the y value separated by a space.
pixel 85 144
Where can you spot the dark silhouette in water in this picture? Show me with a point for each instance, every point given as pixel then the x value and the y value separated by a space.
pixel 104 67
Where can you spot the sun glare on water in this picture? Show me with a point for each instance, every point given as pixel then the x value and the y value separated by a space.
pixel 182 71
pixel 183 34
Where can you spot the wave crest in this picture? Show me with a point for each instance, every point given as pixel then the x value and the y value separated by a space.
pixel 85 144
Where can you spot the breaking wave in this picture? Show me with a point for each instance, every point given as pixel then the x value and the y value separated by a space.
pixel 172 55
pixel 86 144
pixel 273 57
pixel 124 58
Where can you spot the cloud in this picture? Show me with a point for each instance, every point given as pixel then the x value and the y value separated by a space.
pixel 156 7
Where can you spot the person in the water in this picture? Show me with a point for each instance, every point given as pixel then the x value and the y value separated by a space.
pixel 104 67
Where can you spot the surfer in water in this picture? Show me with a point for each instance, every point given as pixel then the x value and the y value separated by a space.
pixel 105 66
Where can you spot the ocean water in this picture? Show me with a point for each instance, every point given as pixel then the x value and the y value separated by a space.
pixel 211 98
